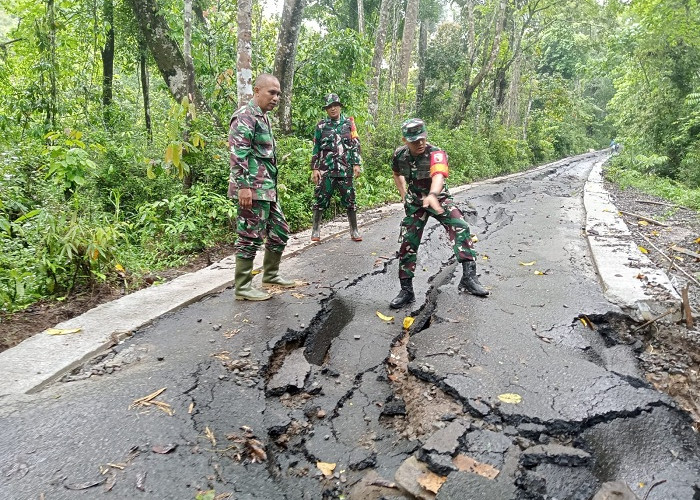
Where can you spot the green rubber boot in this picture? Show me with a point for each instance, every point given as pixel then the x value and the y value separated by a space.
pixel 271 269
pixel 244 278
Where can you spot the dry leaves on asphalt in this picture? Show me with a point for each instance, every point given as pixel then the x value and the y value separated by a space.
pixel 148 401
pixel 62 331
pixel 251 449
pixel 510 398
pixel 384 317
pixel 431 481
pixel 326 467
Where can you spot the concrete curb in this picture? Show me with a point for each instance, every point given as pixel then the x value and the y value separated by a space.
pixel 619 261
pixel 43 358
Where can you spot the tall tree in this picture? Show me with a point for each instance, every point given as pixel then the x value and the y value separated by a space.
pixel 361 17
pixel 422 51
pixel 145 88
pixel 108 59
pixel 378 57
pixel 287 41
pixel 189 75
pixel 409 36
pixel 488 57
pixel 165 51
pixel 244 67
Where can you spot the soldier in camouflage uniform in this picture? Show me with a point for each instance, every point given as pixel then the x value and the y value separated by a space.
pixel 335 162
pixel 253 182
pixel 419 171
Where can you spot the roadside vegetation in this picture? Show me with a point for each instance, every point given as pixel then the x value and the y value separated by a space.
pixel 108 175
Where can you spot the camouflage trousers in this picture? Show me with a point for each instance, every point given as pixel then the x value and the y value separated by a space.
pixel 412 231
pixel 264 220
pixel 324 191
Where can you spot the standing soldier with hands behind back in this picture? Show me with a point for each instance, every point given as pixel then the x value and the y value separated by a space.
pixel 419 171
pixel 335 161
pixel 253 182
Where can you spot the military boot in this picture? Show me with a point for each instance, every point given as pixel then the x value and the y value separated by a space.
pixel 316 229
pixel 271 269
pixel 352 219
pixel 244 278
pixel 405 296
pixel 469 281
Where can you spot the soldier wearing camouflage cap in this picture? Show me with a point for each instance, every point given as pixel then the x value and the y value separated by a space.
pixel 335 162
pixel 253 182
pixel 419 171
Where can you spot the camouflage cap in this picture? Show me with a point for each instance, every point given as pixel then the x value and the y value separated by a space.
pixel 413 129
pixel 330 100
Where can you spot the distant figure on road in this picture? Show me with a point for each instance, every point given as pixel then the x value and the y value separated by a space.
pixel 253 182
pixel 614 146
pixel 420 170
pixel 335 162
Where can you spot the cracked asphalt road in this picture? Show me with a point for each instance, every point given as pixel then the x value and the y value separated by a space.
pixel 313 376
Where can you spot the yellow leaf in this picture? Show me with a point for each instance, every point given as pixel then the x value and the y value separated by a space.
pixel 407 322
pixel 485 257
pixel 528 263
pixel 510 398
pixel 119 267
pixel 654 233
pixel 326 468
pixel 255 271
pixel 539 273
pixel 59 331
pixel 431 481
pixel 474 238
pixel 642 223
pixel 697 240
pixel 643 250
pixel 169 151
pixel 468 464
pixel 384 318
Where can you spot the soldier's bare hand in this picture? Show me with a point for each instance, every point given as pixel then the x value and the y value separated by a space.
pixel 315 176
pixel 432 202
pixel 356 170
pixel 245 198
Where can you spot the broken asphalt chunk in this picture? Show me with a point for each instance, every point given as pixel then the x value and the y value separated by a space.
pixel 394 406
pixel 554 454
pixel 446 440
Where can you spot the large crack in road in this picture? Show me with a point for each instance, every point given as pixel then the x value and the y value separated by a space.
pixel 265 392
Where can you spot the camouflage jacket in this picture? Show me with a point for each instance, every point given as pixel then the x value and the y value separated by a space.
pixel 336 147
pixel 253 160
pixel 416 171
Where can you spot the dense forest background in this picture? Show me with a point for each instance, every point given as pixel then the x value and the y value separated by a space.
pixel 113 113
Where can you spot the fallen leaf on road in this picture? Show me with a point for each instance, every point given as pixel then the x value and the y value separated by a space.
pixel 257 450
pixel 587 322
pixel 510 398
pixel 474 238
pixel 528 263
pixel 485 257
pixel 643 250
pixel 205 495
pixel 189 410
pixel 407 322
pixel 640 276
pixel 642 223
pixel 385 318
pixel 151 401
pixel 85 485
pixel 431 481
pixel 111 481
pixel 486 348
pixel 62 331
pixel 221 356
pixel 468 464
pixel 326 468
pixel 231 333
pixel 164 449
pixel 298 295
pixel 116 466
pixel 542 273
pixel 210 435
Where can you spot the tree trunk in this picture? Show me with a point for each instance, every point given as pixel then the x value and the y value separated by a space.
pixel 292 14
pixel 361 17
pixel 470 85
pixel 166 53
pixel 422 51
pixel 108 60
pixel 409 36
pixel 244 67
pixel 189 76
pixel 145 89
pixel 377 58
pixel 52 105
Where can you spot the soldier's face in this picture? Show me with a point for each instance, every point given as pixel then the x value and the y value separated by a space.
pixel 416 147
pixel 267 94
pixel 333 111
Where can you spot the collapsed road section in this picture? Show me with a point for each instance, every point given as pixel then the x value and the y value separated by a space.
pixel 533 392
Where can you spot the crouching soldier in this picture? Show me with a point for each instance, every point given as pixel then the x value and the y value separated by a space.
pixel 420 170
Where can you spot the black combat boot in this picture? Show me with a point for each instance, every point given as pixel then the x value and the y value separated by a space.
pixel 405 296
pixel 469 281
pixel 316 229
pixel 352 219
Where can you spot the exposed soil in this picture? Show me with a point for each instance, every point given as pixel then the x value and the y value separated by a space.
pixel 14 328
pixel 671 355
